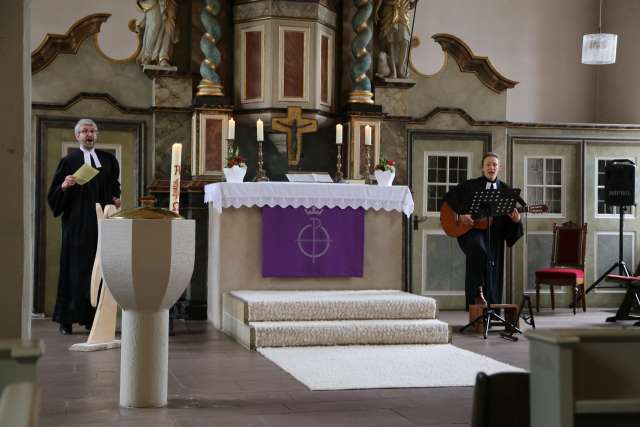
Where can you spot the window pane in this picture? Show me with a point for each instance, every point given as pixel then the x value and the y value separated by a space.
pixel 534 195
pixel 442 175
pixel 431 175
pixel 553 165
pixel 601 179
pixel 553 199
pixel 463 163
pixel 442 162
pixel 534 171
pixel 553 171
pixel 601 165
pixel 435 193
pixel 453 163
pixel 432 162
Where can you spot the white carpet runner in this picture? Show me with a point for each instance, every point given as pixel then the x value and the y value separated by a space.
pixel 386 366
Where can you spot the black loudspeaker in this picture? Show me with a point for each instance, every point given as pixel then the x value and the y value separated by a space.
pixel 620 183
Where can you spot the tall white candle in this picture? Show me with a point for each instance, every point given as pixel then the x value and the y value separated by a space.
pixel 174 189
pixel 338 133
pixel 260 130
pixel 367 135
pixel 232 129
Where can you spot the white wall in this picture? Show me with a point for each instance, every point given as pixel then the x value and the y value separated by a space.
pixel 57 16
pixel 619 83
pixel 536 42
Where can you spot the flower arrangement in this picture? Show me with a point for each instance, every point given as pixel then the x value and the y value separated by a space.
pixel 235 159
pixel 386 165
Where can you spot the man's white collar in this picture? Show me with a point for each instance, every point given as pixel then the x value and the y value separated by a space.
pixel 87 157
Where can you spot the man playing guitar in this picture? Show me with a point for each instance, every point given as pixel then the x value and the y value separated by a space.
pixel 485 262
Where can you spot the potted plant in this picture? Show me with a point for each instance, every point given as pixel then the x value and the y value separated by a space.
pixel 236 167
pixel 385 172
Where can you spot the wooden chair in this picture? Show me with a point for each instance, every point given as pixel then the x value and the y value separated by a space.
pixel 501 400
pixel 567 263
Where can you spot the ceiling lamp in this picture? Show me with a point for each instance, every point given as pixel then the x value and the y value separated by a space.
pixel 600 48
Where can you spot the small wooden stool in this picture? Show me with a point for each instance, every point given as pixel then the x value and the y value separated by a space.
pixel 510 314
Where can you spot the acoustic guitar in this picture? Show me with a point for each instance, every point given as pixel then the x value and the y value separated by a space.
pixel 453 226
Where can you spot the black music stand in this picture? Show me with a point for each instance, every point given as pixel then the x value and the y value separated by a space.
pixel 487 204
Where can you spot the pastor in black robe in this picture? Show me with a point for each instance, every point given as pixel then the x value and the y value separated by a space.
pixel 77 205
pixel 485 262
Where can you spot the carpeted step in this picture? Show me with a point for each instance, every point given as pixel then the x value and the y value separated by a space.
pixel 348 332
pixel 252 306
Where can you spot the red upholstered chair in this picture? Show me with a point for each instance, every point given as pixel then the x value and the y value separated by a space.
pixel 567 263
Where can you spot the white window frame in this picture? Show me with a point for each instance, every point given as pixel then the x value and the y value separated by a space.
pixel 631 214
pixel 449 154
pixel 563 197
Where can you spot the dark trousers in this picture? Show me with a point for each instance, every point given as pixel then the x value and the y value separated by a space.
pixel 483 266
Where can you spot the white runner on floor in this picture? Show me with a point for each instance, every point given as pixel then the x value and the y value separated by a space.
pixel 383 366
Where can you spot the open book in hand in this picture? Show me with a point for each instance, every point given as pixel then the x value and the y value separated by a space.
pixel 85 174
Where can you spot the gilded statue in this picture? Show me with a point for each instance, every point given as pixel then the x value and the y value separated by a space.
pixel 160 31
pixel 392 17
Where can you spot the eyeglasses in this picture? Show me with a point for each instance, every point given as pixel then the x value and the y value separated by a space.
pixel 85 131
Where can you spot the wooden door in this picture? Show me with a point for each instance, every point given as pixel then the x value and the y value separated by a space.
pixel 439 161
pixel 548 172
pixel 56 140
pixel 604 222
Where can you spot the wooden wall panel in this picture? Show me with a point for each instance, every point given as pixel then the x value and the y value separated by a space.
pixel 213 145
pixel 293 67
pixel 324 69
pixel 253 65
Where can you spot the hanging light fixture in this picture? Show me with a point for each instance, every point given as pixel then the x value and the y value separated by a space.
pixel 600 48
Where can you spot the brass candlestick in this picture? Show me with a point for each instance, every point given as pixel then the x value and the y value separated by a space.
pixel 339 175
pixel 261 176
pixel 367 176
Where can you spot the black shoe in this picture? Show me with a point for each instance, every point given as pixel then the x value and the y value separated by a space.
pixel 66 329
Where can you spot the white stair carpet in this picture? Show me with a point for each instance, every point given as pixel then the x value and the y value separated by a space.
pixel 349 332
pixel 335 305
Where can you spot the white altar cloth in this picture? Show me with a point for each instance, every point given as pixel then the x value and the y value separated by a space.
pixel 295 194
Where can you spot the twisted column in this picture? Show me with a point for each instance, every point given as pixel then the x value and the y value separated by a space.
pixel 361 88
pixel 211 84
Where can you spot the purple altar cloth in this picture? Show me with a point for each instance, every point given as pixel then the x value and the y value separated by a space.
pixel 312 242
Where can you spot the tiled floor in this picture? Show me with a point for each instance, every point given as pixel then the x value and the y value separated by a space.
pixel 215 382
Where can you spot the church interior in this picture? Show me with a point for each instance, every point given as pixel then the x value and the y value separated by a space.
pixel 278 252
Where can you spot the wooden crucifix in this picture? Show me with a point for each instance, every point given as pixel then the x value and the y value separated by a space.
pixel 294 125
